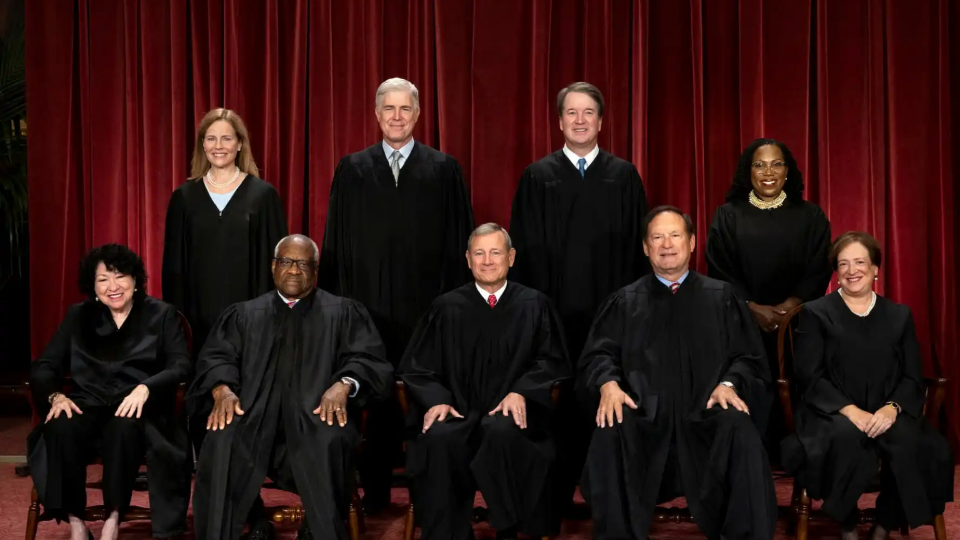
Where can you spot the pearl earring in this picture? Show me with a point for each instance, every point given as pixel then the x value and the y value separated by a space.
pixel 876 278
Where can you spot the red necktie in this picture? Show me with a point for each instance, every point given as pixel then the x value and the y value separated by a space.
pixel 674 286
pixel 291 304
pixel 492 300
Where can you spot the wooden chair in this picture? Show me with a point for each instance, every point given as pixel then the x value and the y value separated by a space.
pixel 479 513
pixel 99 513
pixel 800 512
pixel 295 514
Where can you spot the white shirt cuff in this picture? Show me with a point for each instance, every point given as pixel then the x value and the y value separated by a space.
pixel 356 386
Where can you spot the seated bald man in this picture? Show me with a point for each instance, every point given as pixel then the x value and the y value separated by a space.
pixel 287 374
pixel 676 364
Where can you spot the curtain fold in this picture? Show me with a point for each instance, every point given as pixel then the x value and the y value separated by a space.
pixel 865 93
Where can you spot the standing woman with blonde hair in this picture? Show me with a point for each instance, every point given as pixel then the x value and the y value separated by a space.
pixel 222 226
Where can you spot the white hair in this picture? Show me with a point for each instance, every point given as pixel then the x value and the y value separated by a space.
pixel 397 84
pixel 489 228
pixel 316 250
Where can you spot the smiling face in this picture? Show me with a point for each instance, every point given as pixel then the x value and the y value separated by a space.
pixel 668 245
pixel 490 260
pixel 580 121
pixel 221 145
pixel 855 270
pixel 768 172
pixel 397 116
pixel 291 280
pixel 114 289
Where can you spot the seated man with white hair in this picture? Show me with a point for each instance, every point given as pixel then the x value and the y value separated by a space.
pixel 265 367
pixel 479 372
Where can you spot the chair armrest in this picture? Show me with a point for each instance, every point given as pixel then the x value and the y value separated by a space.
pixel 936 391
pixel 402 397
pixel 783 389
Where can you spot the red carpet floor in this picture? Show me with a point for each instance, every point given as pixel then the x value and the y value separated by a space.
pixel 15 497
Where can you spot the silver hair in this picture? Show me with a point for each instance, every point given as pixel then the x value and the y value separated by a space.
pixel 489 228
pixel 316 250
pixel 397 84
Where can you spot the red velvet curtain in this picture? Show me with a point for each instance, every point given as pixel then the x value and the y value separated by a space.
pixel 863 91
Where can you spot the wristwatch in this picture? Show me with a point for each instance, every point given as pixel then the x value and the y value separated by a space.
pixel 895 405
pixel 348 382
pixel 728 384
pixel 52 397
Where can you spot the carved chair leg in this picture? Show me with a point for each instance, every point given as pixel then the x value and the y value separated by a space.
pixel 353 524
pixel 803 515
pixel 409 524
pixel 33 514
pixel 794 506
pixel 356 505
pixel 939 528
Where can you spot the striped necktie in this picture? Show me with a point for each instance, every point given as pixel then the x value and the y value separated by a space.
pixel 674 286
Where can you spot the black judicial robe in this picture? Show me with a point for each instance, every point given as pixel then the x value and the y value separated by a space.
pixel 280 361
pixel 396 245
pixel 211 261
pixel 470 356
pixel 578 239
pixel 104 364
pixel 669 352
pixel 843 359
pixel 771 255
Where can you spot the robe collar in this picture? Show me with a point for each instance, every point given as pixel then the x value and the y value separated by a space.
pixel 103 320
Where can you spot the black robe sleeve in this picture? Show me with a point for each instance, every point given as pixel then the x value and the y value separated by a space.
pixel 176 353
pixel 550 363
pixel 909 391
pixel 602 355
pixel 328 274
pixel 813 378
pixel 459 225
pixel 422 366
pixel 749 371
pixel 219 361
pixel 174 269
pixel 361 356
pixel 273 228
pixel 817 268
pixel 48 371
pixel 722 255
pixel 532 266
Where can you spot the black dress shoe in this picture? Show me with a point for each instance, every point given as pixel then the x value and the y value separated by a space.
pixel 507 534
pixel 262 530
pixel 304 533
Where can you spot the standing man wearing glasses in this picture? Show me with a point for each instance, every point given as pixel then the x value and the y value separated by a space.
pixel 398 219
pixel 264 368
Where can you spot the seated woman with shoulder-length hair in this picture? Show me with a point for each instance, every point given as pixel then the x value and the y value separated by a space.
pixel 124 353
pixel 860 377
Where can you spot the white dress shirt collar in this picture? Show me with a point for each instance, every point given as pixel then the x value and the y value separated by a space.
pixel 486 295
pixel 575 159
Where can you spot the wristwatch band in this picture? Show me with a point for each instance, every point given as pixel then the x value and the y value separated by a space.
pixel 52 397
pixel 895 405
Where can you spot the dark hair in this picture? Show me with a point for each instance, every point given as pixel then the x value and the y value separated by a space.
pixel 582 88
pixel 741 177
pixel 117 258
pixel 687 220
pixel 851 237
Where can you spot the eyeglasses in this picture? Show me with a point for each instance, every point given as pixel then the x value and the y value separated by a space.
pixel 286 262
pixel 777 166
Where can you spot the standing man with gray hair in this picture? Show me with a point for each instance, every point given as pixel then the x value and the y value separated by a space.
pixel 577 224
pixel 480 370
pixel 398 218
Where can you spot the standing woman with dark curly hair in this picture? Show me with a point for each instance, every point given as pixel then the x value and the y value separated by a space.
pixel 771 245
pixel 125 353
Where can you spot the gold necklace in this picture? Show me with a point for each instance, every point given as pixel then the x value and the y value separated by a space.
pixel 765 205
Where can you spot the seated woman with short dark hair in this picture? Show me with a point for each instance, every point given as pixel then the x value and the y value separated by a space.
pixel 125 353
pixel 860 376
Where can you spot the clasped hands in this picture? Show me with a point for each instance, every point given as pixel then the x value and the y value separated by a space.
pixel 873 425
pixel 613 398
pixel 130 406
pixel 226 404
pixel 513 405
